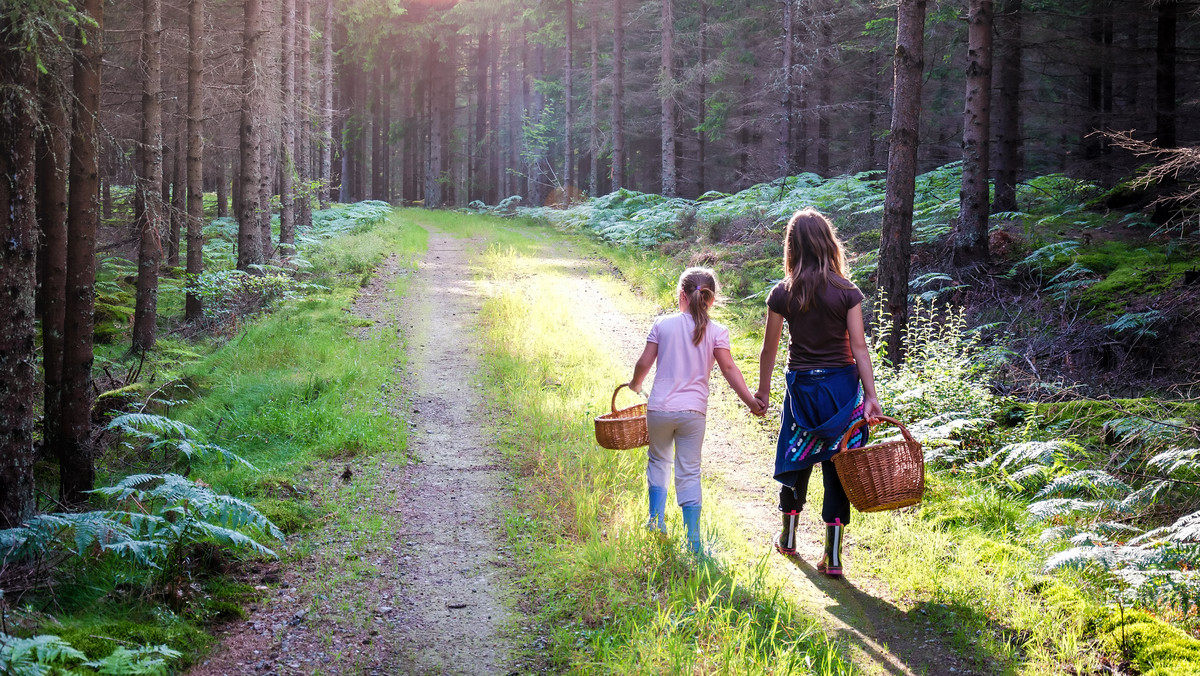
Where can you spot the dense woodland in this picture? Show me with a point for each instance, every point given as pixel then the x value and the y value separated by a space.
pixel 119 119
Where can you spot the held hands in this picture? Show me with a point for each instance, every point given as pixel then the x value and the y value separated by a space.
pixel 758 404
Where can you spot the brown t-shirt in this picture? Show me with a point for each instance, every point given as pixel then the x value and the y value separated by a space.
pixel 817 338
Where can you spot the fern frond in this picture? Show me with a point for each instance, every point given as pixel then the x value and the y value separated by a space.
pixel 1090 481
pixel 37 655
pixel 1060 507
pixel 1186 529
pixel 1180 463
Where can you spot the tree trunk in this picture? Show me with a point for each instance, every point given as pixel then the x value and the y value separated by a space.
pixel 971 240
pixel 250 245
pixel 433 156
pixel 670 176
pixel 480 152
pixel 594 103
pixel 569 180
pixel 178 211
pixel 824 97
pixel 618 97
pixel 150 249
pixel 18 275
pixel 701 117
pixel 287 128
pixel 52 168
pixel 77 474
pixel 222 185
pixel 193 309
pixel 1007 106
pixel 785 93
pixel 326 135
pixel 304 172
pixel 378 132
pixel 1164 73
pixel 895 246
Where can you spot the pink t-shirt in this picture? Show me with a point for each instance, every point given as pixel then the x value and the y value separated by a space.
pixel 681 383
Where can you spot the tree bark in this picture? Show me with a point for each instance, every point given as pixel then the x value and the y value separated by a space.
pixel 702 114
pixel 971 239
pixel 895 246
pixel 178 210
pixel 77 474
pixel 618 97
pixel 326 135
pixel 594 103
pixel 150 249
pixel 479 155
pixel 250 245
pixel 433 157
pixel 569 180
pixel 1007 106
pixel 193 308
pixel 493 135
pixel 785 148
pixel 304 162
pixel 670 176
pixel 824 97
pixel 1164 73
pixel 52 168
pixel 18 275
pixel 378 131
pixel 287 128
pixel 222 185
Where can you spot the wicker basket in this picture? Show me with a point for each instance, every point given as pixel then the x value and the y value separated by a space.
pixel 882 476
pixel 624 429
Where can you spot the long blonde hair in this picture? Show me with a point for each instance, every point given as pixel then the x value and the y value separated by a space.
pixel 811 252
pixel 701 288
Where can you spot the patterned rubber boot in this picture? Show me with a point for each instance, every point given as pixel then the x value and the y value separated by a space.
pixel 691 519
pixel 831 563
pixel 786 544
pixel 658 509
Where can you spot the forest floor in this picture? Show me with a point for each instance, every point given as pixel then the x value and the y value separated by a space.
pixel 423 580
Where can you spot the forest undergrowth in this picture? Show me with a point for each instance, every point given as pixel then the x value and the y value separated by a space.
pixel 208 444
pixel 1077 507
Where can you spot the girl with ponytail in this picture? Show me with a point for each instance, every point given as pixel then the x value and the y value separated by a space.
pixel 685 345
pixel 830 382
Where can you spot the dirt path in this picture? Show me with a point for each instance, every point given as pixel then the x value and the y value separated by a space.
pixel 406 574
pixel 882 638
pixel 453 597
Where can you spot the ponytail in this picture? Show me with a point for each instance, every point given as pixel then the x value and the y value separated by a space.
pixel 700 287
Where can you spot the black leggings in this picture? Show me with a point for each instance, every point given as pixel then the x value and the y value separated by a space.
pixel 837 505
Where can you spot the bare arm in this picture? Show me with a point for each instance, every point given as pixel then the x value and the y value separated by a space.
pixel 862 357
pixel 733 375
pixel 642 367
pixel 766 358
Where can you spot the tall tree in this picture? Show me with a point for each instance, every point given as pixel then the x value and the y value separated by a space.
pixel 52 168
pixel 670 175
pixel 193 308
pixel 568 178
pixel 77 473
pixel 895 245
pixel 433 157
pixel 1165 63
pixel 304 173
pixel 1007 104
pixel 287 119
pixel 18 272
pixel 971 240
pixel 702 114
pixel 479 158
pixel 326 135
pixel 618 97
pixel 250 245
pixel 785 149
pixel 594 103
pixel 149 182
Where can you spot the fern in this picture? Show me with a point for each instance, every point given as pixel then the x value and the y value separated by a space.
pixel 173 439
pixel 47 654
pixel 1089 481
pixel 1021 454
pixel 1137 323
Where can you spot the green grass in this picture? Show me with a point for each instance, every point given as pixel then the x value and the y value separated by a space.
pixel 612 597
pixel 295 391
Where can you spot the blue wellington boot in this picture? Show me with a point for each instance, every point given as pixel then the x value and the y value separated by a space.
pixel 691 519
pixel 658 509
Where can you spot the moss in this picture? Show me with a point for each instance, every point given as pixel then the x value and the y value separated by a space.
pixel 1152 645
pixel 864 241
pixel 98 638
pixel 288 515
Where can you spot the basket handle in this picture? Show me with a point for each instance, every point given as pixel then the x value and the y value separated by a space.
pixel 614 397
pixel 878 419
